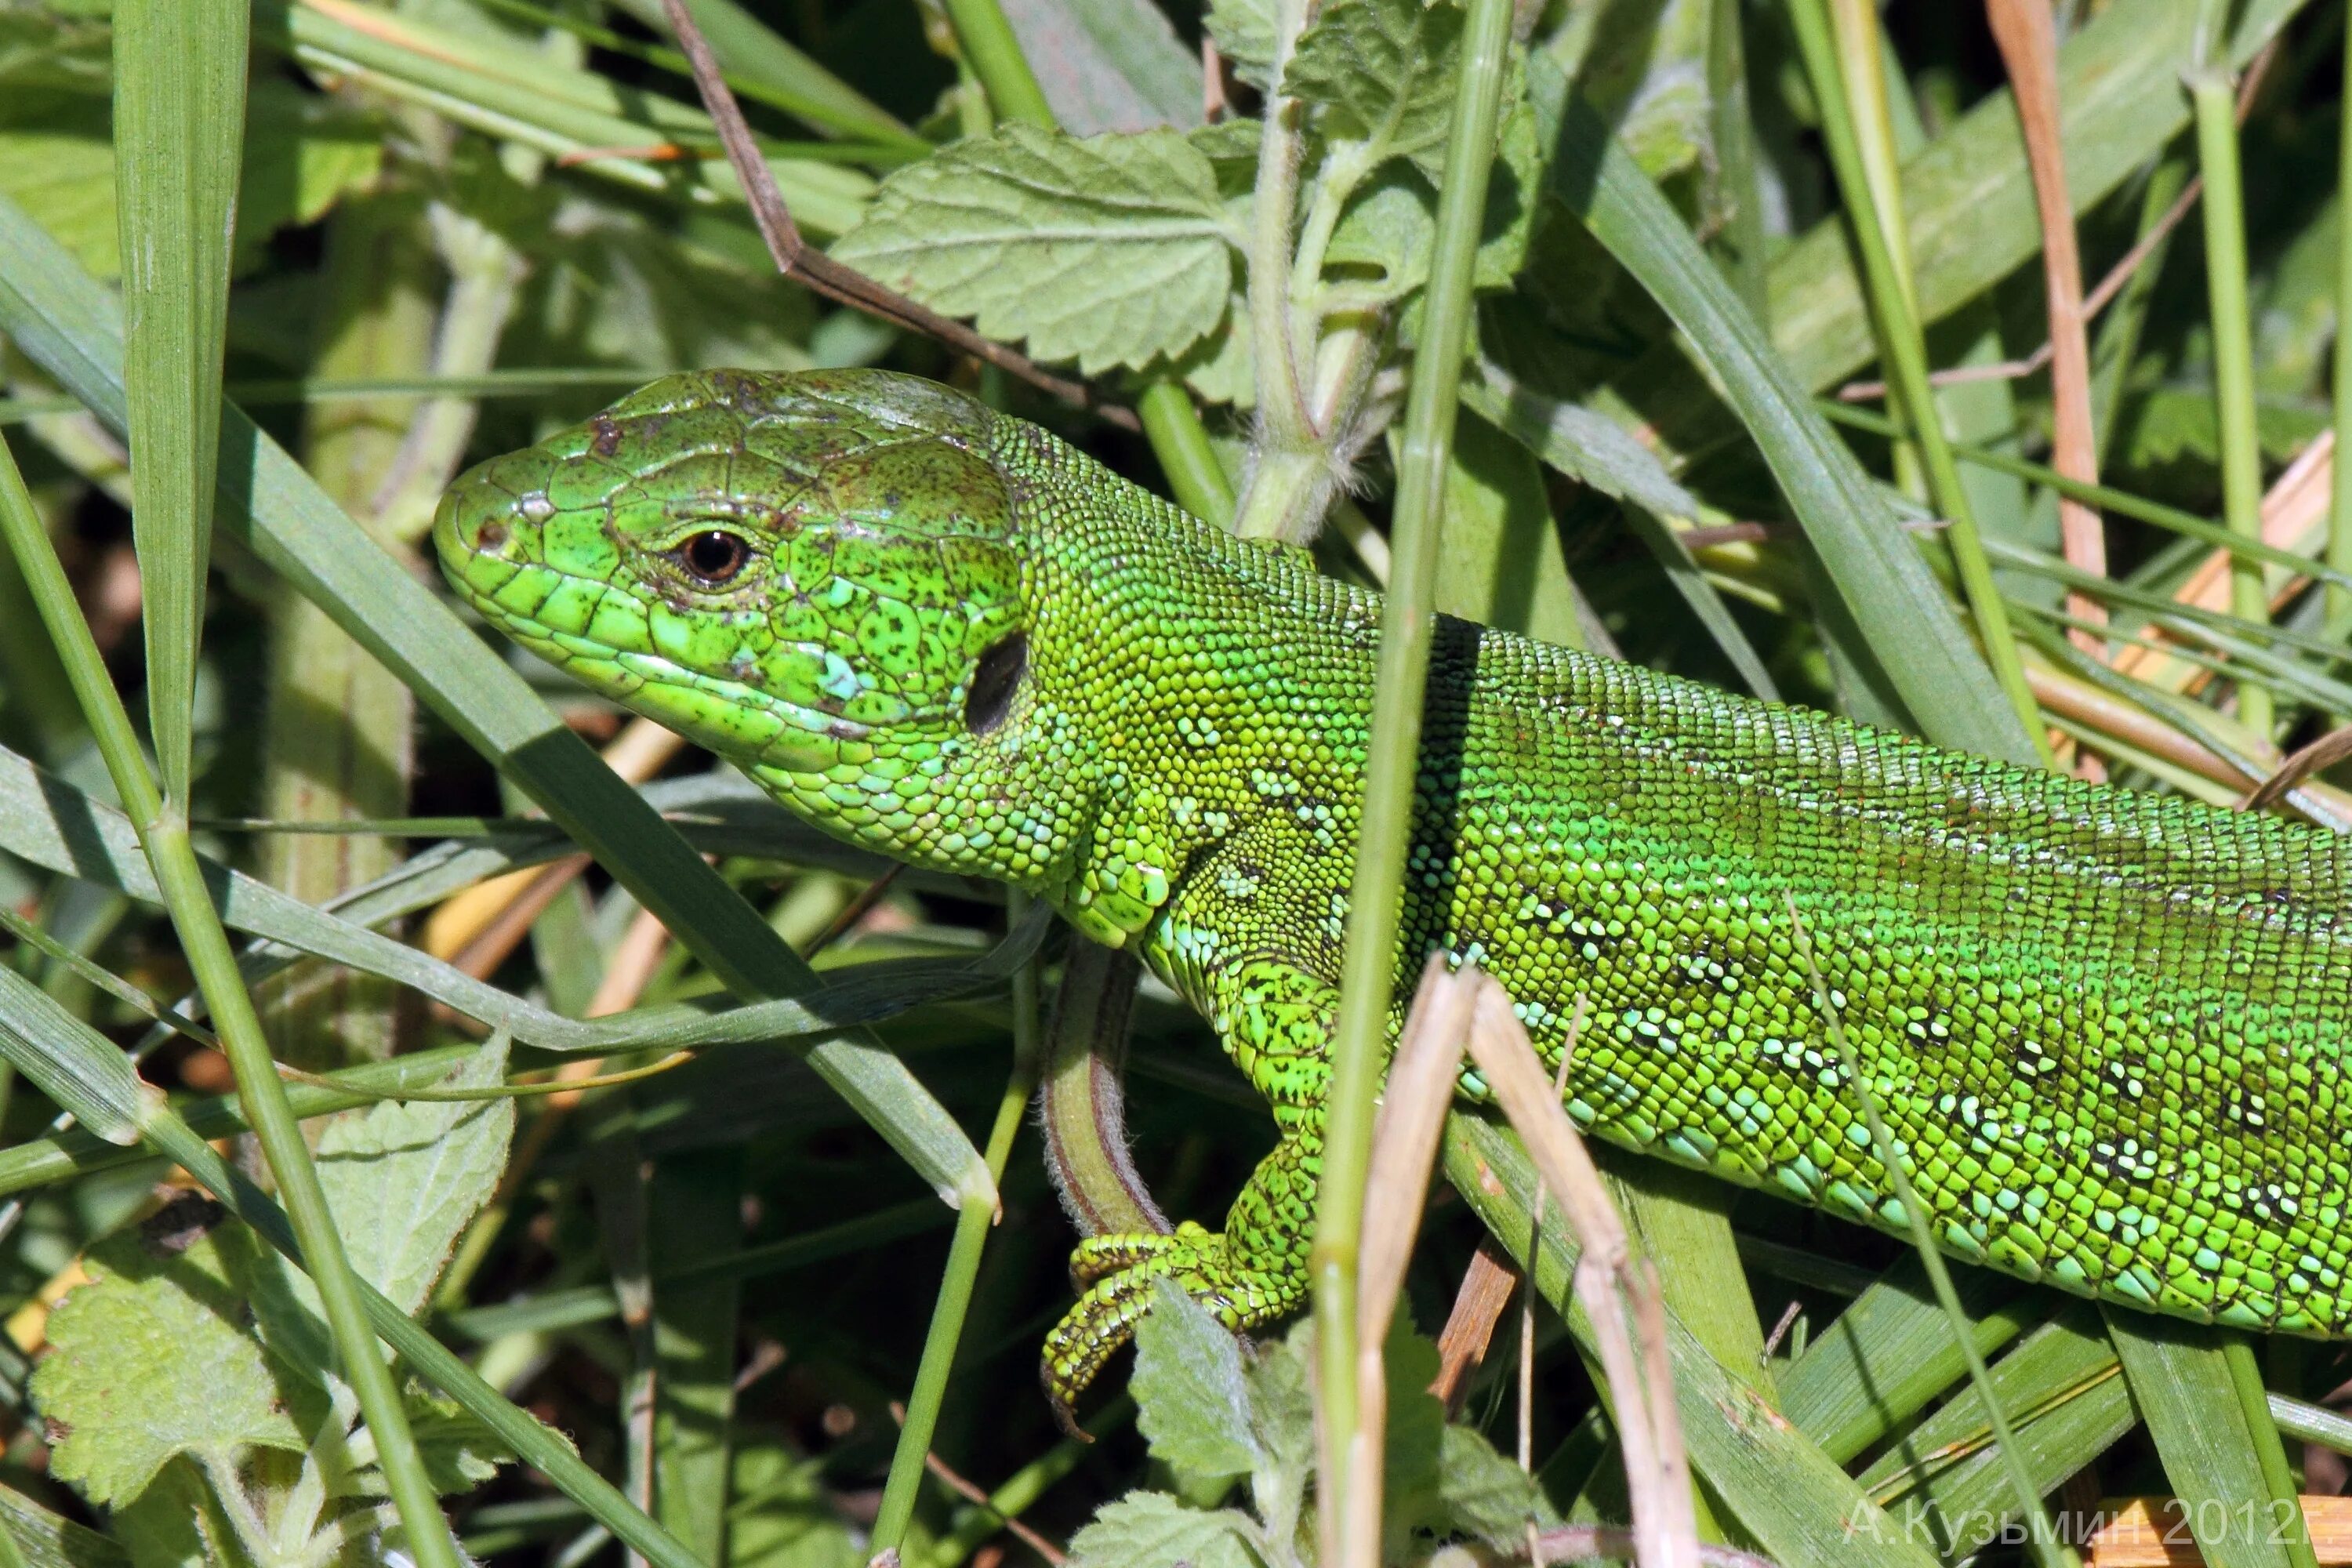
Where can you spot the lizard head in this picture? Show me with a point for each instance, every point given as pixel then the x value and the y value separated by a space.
pixel 817 576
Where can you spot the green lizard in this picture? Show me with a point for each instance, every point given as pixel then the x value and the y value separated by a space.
pixel 2106 1030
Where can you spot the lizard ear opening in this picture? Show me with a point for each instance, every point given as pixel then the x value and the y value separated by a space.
pixel 996 680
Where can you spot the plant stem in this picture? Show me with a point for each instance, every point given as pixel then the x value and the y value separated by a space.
pixel 1906 356
pixel 2233 358
pixel 974 1219
pixel 1369 968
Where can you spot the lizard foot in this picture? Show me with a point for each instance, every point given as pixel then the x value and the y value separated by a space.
pixel 1117 1271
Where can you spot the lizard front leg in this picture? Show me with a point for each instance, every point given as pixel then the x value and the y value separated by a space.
pixel 1275 1022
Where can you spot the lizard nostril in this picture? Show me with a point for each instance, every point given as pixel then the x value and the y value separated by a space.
pixel 491 537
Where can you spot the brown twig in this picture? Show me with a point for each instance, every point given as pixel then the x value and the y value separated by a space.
pixel 820 272
pixel 971 1493
pixel 1618 1291
pixel 1478 1302
pixel 2029 48
pixel 2300 765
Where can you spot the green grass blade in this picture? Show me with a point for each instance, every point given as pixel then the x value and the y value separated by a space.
pixel 65 321
pixel 2181 1381
pixel 1891 1352
pixel 1945 1475
pixel 1910 625
pixel 1968 197
pixel 1368 965
pixel 2232 320
pixel 1887 281
pixel 179 122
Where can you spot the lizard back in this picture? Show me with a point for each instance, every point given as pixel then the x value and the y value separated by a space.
pixel 2107 1028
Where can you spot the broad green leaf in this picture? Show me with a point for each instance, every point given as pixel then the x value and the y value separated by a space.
pixel 1114 250
pixel 176 1522
pixel 1108 64
pixel 1412 1490
pixel 152 1359
pixel 1152 1530
pixel 1192 1401
pixel 782 1515
pixel 1244 32
pixel 1382 72
pixel 404 1177
pixel 1486 1495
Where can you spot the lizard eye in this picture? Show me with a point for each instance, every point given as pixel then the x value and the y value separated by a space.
pixel 994 680
pixel 714 558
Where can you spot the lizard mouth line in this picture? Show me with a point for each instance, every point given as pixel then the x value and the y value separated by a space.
pixel 575 654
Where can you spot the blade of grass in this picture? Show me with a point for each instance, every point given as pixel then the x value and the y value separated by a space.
pixel 1368 965
pixel 2187 524
pixel 1970 198
pixel 61 319
pixel 1876 224
pixel 2181 1381
pixel 178 116
pixel 2072 1404
pixel 1891 1352
pixel 2233 355
pixel 1943 681
pixel 956 1280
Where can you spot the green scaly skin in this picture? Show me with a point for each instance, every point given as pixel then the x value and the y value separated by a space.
pixel 2106 1030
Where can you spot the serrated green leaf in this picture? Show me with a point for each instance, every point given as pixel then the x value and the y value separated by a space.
pixel 404 1178
pixel 176 1522
pixel 152 1359
pixel 1486 1495
pixel 459 1452
pixel 1112 251
pixel 1152 1530
pixel 1382 72
pixel 1243 31
pixel 1412 1496
pixel 1192 1400
pixel 781 1516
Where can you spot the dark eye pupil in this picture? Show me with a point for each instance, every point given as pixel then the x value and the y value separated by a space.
pixel 994 682
pixel 715 557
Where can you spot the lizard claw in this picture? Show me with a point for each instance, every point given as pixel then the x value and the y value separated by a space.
pixel 1117 1272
